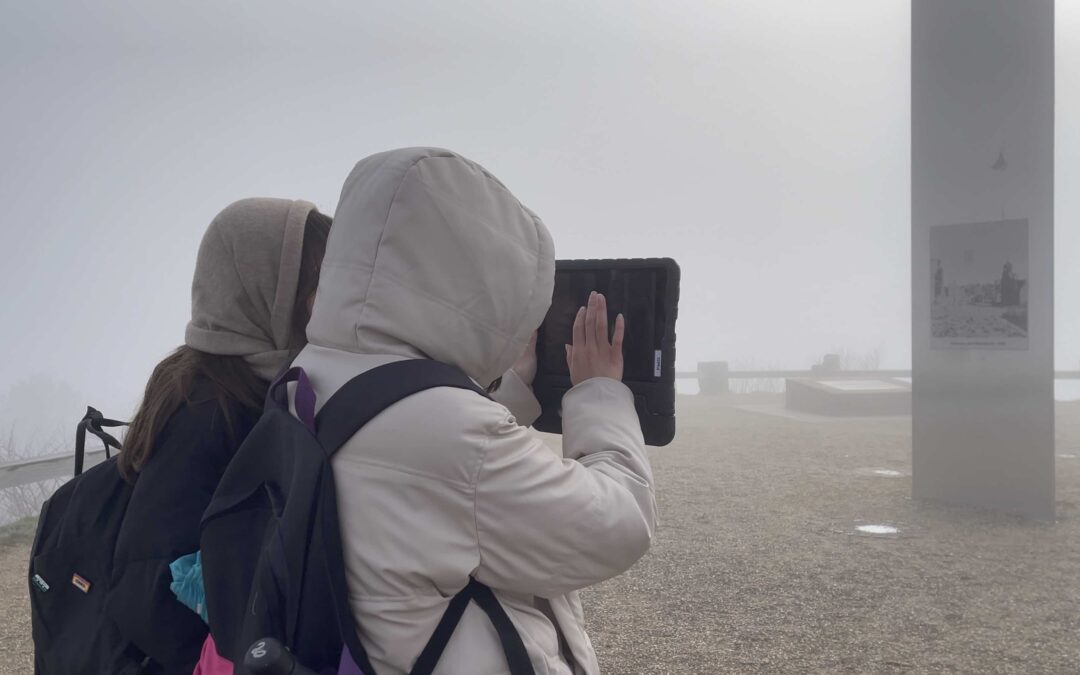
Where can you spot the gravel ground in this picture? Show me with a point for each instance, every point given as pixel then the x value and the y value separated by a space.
pixel 757 567
pixel 16 649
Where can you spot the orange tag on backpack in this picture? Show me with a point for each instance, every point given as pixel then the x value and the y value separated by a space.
pixel 80 583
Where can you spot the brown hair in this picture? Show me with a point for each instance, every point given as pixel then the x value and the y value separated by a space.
pixel 235 386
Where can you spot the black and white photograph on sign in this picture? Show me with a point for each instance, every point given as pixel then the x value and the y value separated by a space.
pixel 979 282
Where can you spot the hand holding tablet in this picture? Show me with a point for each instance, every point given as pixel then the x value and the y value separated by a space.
pixel 592 354
pixel 626 331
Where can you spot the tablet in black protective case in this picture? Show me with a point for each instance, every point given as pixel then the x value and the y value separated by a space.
pixel 646 292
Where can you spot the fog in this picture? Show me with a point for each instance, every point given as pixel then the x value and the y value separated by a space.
pixel 763 145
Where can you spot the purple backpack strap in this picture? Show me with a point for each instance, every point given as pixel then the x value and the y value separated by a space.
pixel 348 665
pixel 304 398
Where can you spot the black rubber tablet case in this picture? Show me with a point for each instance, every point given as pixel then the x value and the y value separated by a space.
pixel 646 292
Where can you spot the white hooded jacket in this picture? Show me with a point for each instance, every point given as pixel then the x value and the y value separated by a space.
pixel 431 256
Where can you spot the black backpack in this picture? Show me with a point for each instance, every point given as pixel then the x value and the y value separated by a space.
pixel 271 548
pixel 71 565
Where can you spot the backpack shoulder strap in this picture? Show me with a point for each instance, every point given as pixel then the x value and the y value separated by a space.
pixel 353 406
pixel 368 394
pixel 517 656
pixel 347 411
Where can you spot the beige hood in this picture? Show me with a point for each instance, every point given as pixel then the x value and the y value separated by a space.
pixel 430 255
pixel 245 282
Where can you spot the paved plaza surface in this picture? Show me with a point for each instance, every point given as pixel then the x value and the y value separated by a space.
pixel 759 565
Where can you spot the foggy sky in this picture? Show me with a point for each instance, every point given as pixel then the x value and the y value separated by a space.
pixel 764 145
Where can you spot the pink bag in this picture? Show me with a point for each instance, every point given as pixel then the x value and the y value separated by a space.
pixel 212 663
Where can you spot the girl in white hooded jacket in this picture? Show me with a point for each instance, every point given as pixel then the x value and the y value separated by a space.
pixel 432 257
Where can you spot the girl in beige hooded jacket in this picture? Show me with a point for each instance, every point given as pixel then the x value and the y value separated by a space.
pixel 432 257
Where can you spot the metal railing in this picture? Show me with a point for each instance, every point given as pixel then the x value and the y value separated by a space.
pixel 23 471
pixel 713 377
pixel 784 374
pixel 848 374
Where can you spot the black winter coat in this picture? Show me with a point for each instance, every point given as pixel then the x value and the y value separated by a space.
pixel 161 524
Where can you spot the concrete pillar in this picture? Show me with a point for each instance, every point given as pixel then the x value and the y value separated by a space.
pixel 982 207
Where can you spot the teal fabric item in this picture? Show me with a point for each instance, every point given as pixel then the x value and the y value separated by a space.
pixel 187 584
